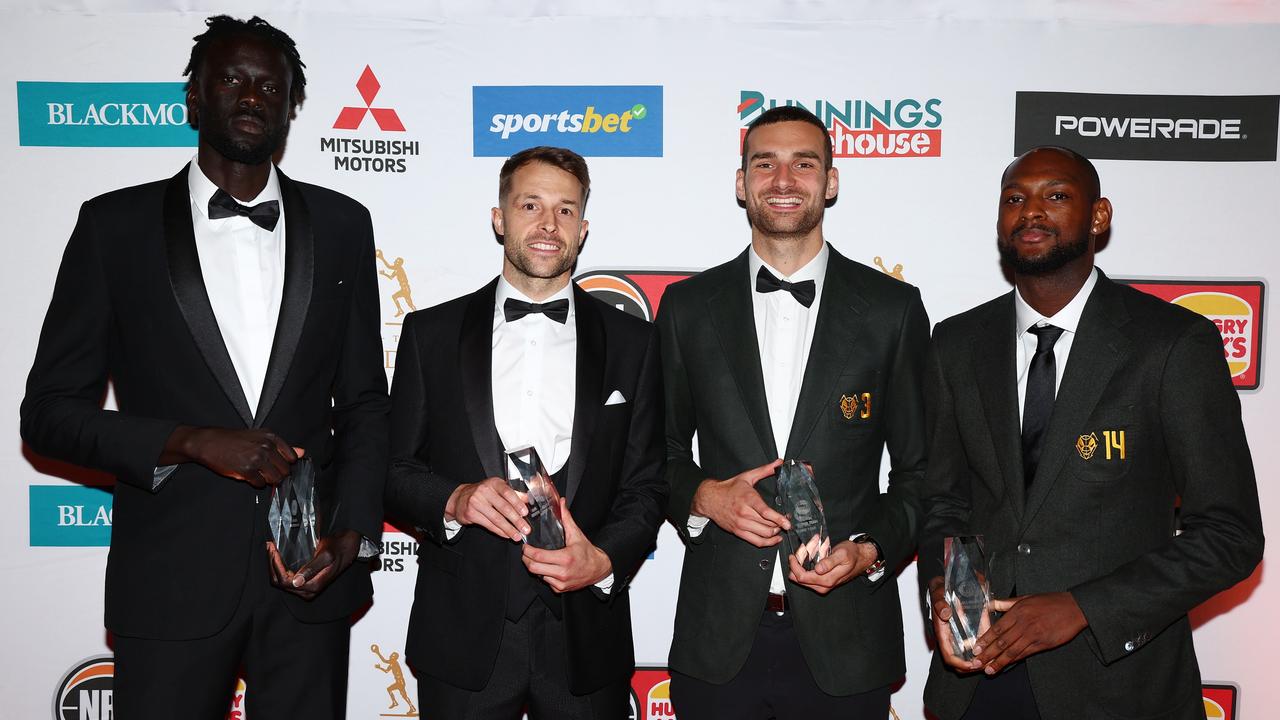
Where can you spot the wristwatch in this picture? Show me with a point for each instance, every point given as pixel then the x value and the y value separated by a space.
pixel 875 570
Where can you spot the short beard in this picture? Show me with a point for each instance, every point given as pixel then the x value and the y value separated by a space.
pixel 799 227
pixel 1057 257
pixel 245 153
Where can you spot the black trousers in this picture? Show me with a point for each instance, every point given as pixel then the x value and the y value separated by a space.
pixel 292 669
pixel 1006 696
pixel 775 683
pixel 530 674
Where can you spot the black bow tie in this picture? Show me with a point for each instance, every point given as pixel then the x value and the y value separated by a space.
pixel 265 214
pixel 557 310
pixel 804 291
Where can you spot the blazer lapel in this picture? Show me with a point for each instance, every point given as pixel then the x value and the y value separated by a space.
pixel 299 270
pixel 838 324
pixel 1097 350
pixel 475 363
pixel 589 385
pixel 994 364
pixel 189 291
pixel 731 314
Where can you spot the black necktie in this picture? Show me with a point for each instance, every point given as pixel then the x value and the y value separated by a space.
pixel 557 310
pixel 265 214
pixel 1041 376
pixel 803 291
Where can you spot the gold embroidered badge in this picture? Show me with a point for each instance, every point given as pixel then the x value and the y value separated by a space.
pixel 1087 445
pixel 855 405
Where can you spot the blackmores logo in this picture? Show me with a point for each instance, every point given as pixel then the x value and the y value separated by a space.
pixel 1235 307
pixel 369 154
pixel 592 120
pixel 1207 128
pixel 637 292
pixel 69 515
pixel 97 114
pixel 85 692
pixel 863 128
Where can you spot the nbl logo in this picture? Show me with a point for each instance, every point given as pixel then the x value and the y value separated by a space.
pixel 85 692
pixel 635 292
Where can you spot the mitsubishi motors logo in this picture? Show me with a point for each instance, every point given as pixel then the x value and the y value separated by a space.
pixel 351 117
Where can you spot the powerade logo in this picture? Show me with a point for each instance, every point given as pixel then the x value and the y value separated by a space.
pixel 862 127
pixel 70 516
pixel 93 114
pixel 1206 128
pixel 591 120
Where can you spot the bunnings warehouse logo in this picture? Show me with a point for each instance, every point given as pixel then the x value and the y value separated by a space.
pixel 94 114
pixel 70 516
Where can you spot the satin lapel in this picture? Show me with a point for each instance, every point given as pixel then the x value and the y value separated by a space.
pixel 187 282
pixel 735 324
pixel 840 319
pixel 589 388
pixel 995 368
pixel 1097 350
pixel 299 271
pixel 475 363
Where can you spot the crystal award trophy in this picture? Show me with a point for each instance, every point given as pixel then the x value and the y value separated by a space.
pixel 967 592
pixel 291 515
pixel 525 474
pixel 798 497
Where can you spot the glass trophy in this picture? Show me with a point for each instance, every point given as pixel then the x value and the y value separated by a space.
pixel 798 497
pixel 967 592
pixel 291 515
pixel 526 475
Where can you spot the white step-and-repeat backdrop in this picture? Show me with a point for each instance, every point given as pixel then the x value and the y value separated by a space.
pixel 412 108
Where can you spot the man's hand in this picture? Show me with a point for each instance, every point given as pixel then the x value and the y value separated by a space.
pixel 573 567
pixel 1031 624
pixel 942 629
pixel 256 456
pixel 846 561
pixel 333 555
pixel 736 507
pixel 491 504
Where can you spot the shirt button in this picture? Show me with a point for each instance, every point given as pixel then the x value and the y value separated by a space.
pixel 529 393
pixel 1025 549
pixel 764 564
pixel 533 342
pixel 1129 646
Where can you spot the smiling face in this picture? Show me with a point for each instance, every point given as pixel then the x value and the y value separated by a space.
pixel 240 101
pixel 1050 213
pixel 786 185
pixel 540 222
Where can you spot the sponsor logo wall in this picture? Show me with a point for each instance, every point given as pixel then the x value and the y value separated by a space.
pixel 415 121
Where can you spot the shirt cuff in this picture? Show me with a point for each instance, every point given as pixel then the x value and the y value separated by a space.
pixel 368 549
pixel 606 584
pixel 696 525
pixel 160 474
pixel 879 573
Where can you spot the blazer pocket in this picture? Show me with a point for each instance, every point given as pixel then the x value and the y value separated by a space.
pixel 1105 448
pixel 855 405
pixel 440 558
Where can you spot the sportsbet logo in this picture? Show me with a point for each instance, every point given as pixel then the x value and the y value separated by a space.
pixel 618 121
pixel 1235 308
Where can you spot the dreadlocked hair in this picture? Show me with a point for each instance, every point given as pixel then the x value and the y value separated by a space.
pixel 221 26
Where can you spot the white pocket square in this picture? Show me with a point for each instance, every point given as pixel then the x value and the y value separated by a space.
pixel 615 399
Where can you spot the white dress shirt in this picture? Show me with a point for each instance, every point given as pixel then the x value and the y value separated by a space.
pixel 784 334
pixel 1068 318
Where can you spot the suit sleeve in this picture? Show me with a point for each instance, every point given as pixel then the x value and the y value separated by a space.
pixel 631 531
pixel 414 491
pixel 683 474
pixel 62 415
pixel 1221 540
pixel 360 404
pixel 896 523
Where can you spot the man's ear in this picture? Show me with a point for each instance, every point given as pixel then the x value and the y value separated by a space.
pixel 1101 216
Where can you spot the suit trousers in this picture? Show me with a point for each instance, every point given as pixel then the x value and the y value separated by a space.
pixel 775 683
pixel 291 669
pixel 530 674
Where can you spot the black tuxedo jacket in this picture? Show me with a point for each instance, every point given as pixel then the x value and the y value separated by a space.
pixel 443 434
pixel 868 345
pixel 1099 521
pixel 130 305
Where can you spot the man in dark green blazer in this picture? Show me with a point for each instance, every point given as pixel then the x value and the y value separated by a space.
pixel 790 350
pixel 1074 472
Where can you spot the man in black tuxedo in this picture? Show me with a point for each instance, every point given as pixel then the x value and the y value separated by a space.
pixel 529 358
pixel 238 338
pixel 790 348
pixel 1091 434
